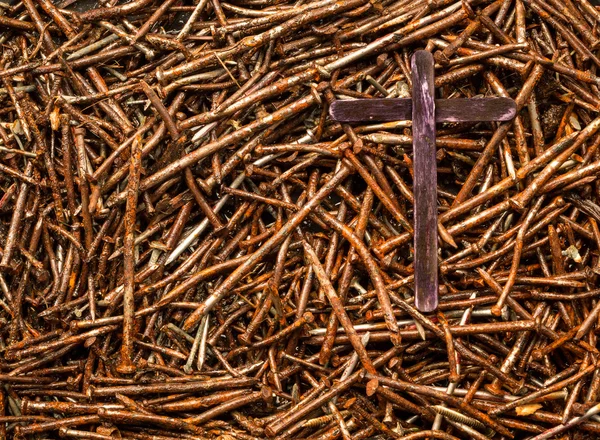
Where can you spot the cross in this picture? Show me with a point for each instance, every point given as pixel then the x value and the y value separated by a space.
pixel 425 112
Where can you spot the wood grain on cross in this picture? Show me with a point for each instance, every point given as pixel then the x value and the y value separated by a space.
pixel 424 111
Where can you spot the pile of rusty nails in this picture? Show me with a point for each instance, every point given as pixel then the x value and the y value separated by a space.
pixel 191 248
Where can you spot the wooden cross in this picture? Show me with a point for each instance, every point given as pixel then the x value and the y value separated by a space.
pixel 425 112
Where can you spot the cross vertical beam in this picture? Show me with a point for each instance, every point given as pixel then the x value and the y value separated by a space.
pixel 425 182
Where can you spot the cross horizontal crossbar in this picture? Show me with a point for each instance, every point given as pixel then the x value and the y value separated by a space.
pixel 446 110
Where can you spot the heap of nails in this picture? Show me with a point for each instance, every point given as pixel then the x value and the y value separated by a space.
pixel 191 248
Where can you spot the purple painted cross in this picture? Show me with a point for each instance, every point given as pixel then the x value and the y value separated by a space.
pixel 425 112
